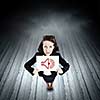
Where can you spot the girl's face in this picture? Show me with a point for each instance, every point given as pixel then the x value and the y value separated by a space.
pixel 48 47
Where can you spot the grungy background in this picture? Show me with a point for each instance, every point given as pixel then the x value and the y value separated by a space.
pixel 76 25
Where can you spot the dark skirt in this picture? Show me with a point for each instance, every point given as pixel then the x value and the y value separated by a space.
pixel 49 78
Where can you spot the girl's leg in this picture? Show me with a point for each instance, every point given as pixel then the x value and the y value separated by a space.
pixel 49 86
pixel 49 80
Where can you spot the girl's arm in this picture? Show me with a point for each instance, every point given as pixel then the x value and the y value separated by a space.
pixel 28 64
pixel 64 64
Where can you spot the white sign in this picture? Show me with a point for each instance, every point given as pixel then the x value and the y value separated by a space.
pixel 47 63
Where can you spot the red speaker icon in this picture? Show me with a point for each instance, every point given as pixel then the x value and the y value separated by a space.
pixel 48 63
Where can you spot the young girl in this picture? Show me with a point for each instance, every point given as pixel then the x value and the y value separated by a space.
pixel 47 47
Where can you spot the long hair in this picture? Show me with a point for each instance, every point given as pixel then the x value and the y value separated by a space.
pixel 50 38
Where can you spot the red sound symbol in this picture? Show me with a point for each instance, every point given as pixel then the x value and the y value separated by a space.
pixel 48 63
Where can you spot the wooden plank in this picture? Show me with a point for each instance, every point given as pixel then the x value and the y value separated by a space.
pixel 10 81
pixel 78 93
pixel 18 82
pixel 20 89
pixel 89 81
pixel 4 61
pixel 66 79
pixel 26 88
pixel 80 79
pixel 5 69
pixel 8 68
pixel 55 94
pixel 4 50
pixel 94 55
pixel 94 66
pixel 3 44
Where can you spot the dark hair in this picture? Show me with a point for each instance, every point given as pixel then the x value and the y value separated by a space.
pixel 49 38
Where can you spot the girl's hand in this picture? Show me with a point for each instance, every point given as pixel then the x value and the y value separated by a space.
pixel 59 71
pixel 35 71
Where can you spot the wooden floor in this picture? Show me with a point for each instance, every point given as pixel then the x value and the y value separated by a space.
pixel 81 82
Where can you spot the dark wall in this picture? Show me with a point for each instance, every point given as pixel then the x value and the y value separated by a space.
pixel 9 8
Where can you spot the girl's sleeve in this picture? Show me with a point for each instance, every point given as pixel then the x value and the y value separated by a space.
pixel 28 64
pixel 64 64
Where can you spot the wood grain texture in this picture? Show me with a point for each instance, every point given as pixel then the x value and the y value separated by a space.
pixel 81 82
